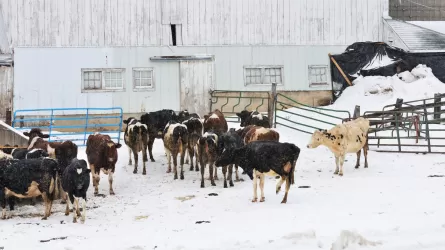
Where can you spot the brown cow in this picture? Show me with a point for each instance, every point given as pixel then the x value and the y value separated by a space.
pixel 258 133
pixel 102 154
pixel 216 122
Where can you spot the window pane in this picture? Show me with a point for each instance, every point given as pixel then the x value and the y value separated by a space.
pixel 145 74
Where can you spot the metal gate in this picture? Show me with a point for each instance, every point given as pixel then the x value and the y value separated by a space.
pixel 74 124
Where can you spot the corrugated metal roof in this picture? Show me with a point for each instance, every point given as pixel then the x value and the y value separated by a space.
pixel 417 38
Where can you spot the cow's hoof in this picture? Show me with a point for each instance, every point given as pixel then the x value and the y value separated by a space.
pixel 262 199
pixel 340 174
pixel 175 178
pixel 225 184
pixel 63 202
pixel 182 177
pixel 130 163
pixel 82 221
pixel 202 185
pixel 44 218
pixel 366 166
pixel 213 184
pixel 357 166
pixel 144 173
pixel 231 183
pixel 186 161
pixel 135 171
pixel 254 200
pixel 284 202
pixel 336 172
pixel 278 190
pixel 74 220
pixel 237 180
pixel 112 192
pixel 197 169
pixel 152 160
pixel 191 168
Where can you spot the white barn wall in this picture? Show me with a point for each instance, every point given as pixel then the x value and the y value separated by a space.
pixel 109 23
pixel 51 77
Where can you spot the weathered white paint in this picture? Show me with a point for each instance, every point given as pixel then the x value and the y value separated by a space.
pixel 85 23
pixel 6 85
pixel 197 78
pixel 58 72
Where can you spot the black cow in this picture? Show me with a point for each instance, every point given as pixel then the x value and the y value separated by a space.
pixel 194 128
pixel 185 115
pixel 23 153
pixel 136 138
pixel 29 178
pixel 228 141
pixel 156 122
pixel 259 158
pixel 253 118
pixel 75 182
pixel 8 149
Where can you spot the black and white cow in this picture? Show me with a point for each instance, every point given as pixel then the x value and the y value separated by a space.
pixel 253 118
pixel 75 182
pixel 228 141
pixel 207 154
pixel 136 138
pixel 175 142
pixel 23 153
pixel 156 122
pixel 194 128
pixel 28 178
pixel 260 158
pixel 185 115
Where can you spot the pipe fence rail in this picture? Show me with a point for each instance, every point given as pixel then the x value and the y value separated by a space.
pixel 74 124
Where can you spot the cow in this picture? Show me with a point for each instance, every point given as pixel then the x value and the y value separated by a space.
pixel 35 132
pixel 207 154
pixel 185 115
pixel 136 138
pixel 228 141
pixel 3 155
pixel 156 122
pixel 175 142
pixel 23 153
pixel 258 133
pixel 349 137
pixel 215 121
pixel 194 129
pixel 101 154
pixel 29 178
pixel 75 182
pixel 253 118
pixel 260 158
pixel 7 149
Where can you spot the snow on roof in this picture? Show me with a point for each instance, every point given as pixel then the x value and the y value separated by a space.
pixel 438 26
pixel 417 38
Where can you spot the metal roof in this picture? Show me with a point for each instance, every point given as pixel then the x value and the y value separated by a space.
pixel 417 38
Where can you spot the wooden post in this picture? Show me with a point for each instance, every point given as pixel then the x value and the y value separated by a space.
pixel 437 109
pixel 21 121
pixel 271 108
pixel 356 112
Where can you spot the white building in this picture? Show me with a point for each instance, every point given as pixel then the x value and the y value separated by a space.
pixel 104 53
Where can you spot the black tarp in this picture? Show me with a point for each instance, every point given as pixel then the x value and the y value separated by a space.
pixel 360 54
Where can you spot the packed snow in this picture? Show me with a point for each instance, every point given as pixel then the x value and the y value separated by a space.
pixel 391 205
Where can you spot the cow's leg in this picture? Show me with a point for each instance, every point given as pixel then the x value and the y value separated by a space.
pixel 144 151
pixel 212 180
pixel 151 140
pixel 84 209
pixel 255 178
pixel 202 172
pixel 3 203
pixel 216 174
pixel 77 208
pixel 262 187
pixel 279 184
pixel 196 160
pixel 169 160
pixel 336 164
pixel 135 155
pixel 62 192
pixel 341 162
pixel 357 164
pixel 224 170
pixel 144 156
pixel 129 156
pixel 67 208
pixel 11 202
pixel 230 175
pixel 96 177
pixel 175 165
pixel 187 157
pixel 181 160
pixel 47 201
pixel 110 180
pixel 287 190
pixel 365 153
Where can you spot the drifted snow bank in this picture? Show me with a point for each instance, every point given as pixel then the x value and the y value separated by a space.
pixel 372 93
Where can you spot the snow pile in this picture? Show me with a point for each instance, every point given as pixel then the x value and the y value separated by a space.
pixel 372 93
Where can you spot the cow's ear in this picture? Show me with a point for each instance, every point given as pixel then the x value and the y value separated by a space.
pixel 45 136
pixel 126 121
pixel 238 114
pixel 206 117
pixel 118 145
pixel 26 134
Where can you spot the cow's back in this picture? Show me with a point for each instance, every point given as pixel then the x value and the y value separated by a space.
pixel 356 137
pixel 96 144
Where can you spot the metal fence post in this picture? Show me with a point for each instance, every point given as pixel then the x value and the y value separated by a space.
pixel 425 112
pixel 51 124
pixel 86 126
pixel 272 96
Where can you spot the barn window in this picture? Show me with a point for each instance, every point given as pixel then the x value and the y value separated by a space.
pixel 143 78
pixel 318 75
pixel 103 80
pixel 263 75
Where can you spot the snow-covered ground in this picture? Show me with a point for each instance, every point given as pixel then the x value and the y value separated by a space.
pixel 393 205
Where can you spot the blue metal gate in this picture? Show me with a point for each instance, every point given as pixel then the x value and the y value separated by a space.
pixel 87 119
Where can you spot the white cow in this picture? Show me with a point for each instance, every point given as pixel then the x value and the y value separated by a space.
pixel 349 137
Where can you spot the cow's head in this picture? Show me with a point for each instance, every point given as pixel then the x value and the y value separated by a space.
pixel 244 116
pixel 316 139
pixel 65 153
pixel 35 132
pixel 111 152
pixel 130 120
pixel 82 175
pixel 183 115
pixel 210 142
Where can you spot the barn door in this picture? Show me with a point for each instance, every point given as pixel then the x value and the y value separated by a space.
pixel 197 78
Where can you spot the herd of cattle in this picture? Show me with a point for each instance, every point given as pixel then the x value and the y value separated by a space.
pixel 51 169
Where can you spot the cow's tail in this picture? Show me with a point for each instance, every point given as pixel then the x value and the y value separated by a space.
pixel 54 184
pixel 294 162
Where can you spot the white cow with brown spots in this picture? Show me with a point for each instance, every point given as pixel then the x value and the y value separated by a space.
pixel 349 137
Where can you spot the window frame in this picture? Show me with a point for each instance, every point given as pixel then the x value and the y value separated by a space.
pixel 103 88
pixel 263 71
pixel 140 88
pixel 318 85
